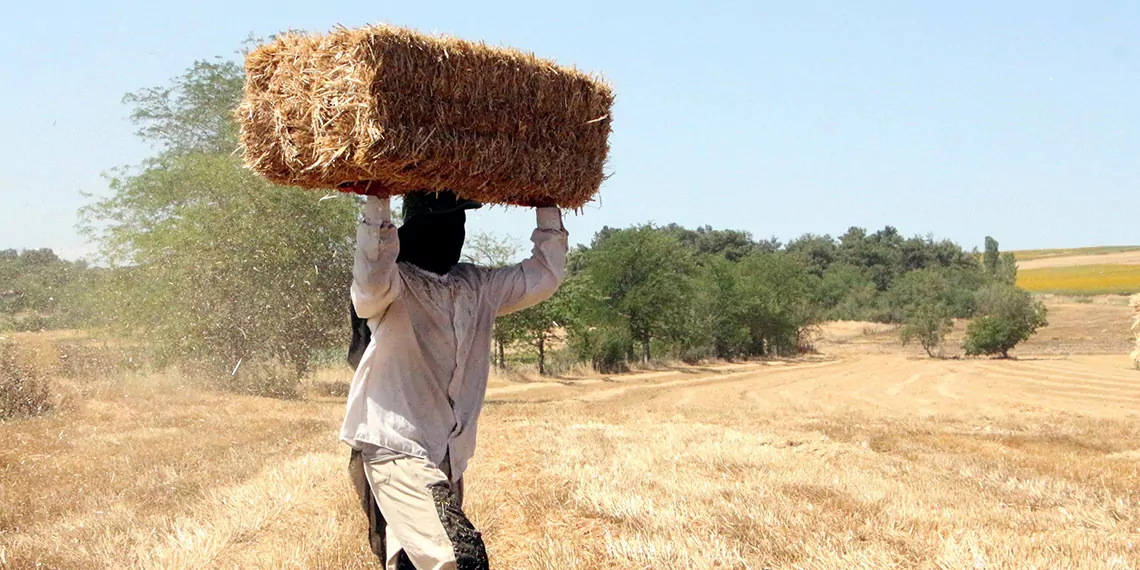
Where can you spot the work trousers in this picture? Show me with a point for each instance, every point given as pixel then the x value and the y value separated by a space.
pixel 415 515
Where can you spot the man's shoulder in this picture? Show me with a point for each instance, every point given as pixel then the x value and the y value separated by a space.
pixel 469 270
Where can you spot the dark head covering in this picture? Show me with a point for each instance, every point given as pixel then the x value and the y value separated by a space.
pixel 431 238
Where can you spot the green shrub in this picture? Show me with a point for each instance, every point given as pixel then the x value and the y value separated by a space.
pixel 607 350
pixel 928 324
pixel 560 362
pixel 1008 316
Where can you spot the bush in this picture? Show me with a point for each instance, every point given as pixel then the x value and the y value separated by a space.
pixel 24 392
pixel 607 350
pixel 560 362
pixel 928 324
pixel 1008 316
pixel 924 302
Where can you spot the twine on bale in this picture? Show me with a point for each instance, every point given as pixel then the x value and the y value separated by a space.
pixel 419 112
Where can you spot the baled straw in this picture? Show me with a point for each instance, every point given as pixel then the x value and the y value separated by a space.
pixel 414 112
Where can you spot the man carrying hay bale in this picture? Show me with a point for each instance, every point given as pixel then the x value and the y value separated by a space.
pixel 418 389
pixel 411 112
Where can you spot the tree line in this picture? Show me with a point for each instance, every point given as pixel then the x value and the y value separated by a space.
pixel 644 292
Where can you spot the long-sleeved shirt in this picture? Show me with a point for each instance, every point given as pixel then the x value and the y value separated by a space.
pixel 420 385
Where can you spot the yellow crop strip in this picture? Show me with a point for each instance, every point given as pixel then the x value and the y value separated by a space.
pixel 1086 279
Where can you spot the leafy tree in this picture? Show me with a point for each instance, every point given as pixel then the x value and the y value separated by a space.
pixel 990 259
pixel 1007 269
pixel 778 302
pixel 642 273
pixel 39 290
pixel 595 333
pixel 719 310
pixel 536 326
pixel 925 300
pixel 732 244
pixel 194 114
pixel 488 250
pixel 877 254
pixel 1007 316
pixel 817 253
pixel 211 263
pixel 880 259
pixel 928 324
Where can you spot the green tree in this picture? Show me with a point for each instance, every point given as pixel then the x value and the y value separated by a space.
pixel 1007 269
pixel 847 294
pixel 879 255
pixel 928 324
pixel 817 253
pixel 1007 316
pixel 778 302
pixel 38 290
pixel 720 310
pixel 924 298
pixel 642 272
pixel 880 259
pixel 211 263
pixel 536 326
pixel 990 258
pixel 194 114
pixel 488 250
pixel 732 244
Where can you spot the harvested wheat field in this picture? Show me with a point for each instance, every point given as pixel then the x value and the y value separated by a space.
pixel 864 456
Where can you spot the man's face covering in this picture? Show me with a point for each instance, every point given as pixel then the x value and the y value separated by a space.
pixel 433 242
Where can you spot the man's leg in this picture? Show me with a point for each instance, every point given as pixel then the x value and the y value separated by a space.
pixel 368 503
pixel 424 516
pixel 379 536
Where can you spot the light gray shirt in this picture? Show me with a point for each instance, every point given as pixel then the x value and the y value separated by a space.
pixel 420 384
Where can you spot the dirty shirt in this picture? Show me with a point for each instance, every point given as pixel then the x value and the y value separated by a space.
pixel 420 384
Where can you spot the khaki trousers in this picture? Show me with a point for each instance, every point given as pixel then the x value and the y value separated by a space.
pixel 420 517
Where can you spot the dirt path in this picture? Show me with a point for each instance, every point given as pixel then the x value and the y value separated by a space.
pixel 1104 385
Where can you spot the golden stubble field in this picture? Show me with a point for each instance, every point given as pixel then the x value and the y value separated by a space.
pixel 863 456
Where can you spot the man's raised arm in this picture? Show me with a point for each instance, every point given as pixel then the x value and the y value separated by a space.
pixel 375 275
pixel 538 277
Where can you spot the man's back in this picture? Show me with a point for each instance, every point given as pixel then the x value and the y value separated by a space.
pixel 418 389
pixel 420 384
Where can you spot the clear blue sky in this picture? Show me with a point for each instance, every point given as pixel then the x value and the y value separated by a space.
pixel 962 119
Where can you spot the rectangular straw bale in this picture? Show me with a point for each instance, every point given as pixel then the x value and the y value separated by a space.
pixel 420 112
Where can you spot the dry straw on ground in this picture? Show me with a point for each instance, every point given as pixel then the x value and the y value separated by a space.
pixel 417 112
pixel 1135 303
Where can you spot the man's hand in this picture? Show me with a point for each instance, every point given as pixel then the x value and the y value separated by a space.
pixel 540 202
pixel 378 211
pixel 366 188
